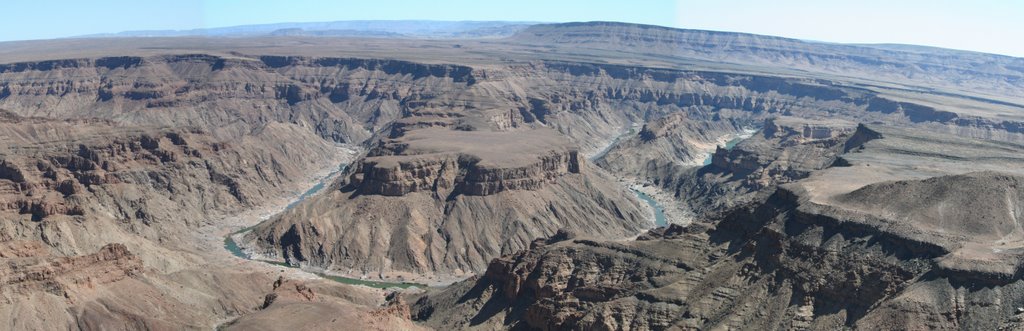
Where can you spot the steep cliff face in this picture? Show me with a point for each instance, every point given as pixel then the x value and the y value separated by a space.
pixel 998 75
pixel 339 98
pixel 457 175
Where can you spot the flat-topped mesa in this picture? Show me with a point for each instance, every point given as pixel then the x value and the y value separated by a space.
pixel 804 130
pixel 448 174
pixel 448 162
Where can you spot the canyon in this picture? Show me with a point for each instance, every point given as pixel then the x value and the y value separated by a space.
pixel 864 186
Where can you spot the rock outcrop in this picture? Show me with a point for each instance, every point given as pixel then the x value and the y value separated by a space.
pixel 29 268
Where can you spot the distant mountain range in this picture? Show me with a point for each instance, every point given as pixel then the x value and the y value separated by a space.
pixel 375 29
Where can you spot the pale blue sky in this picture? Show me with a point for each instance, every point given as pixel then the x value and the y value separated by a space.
pixel 995 26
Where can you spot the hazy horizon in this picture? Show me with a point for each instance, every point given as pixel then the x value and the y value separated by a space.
pixel 989 26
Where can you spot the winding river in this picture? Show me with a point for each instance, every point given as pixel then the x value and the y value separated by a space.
pixel 659 212
pixel 232 246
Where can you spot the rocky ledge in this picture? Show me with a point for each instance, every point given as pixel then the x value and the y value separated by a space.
pixel 27 268
pixel 449 174
pixel 448 162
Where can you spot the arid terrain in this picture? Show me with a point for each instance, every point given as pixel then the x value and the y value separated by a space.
pixel 294 181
